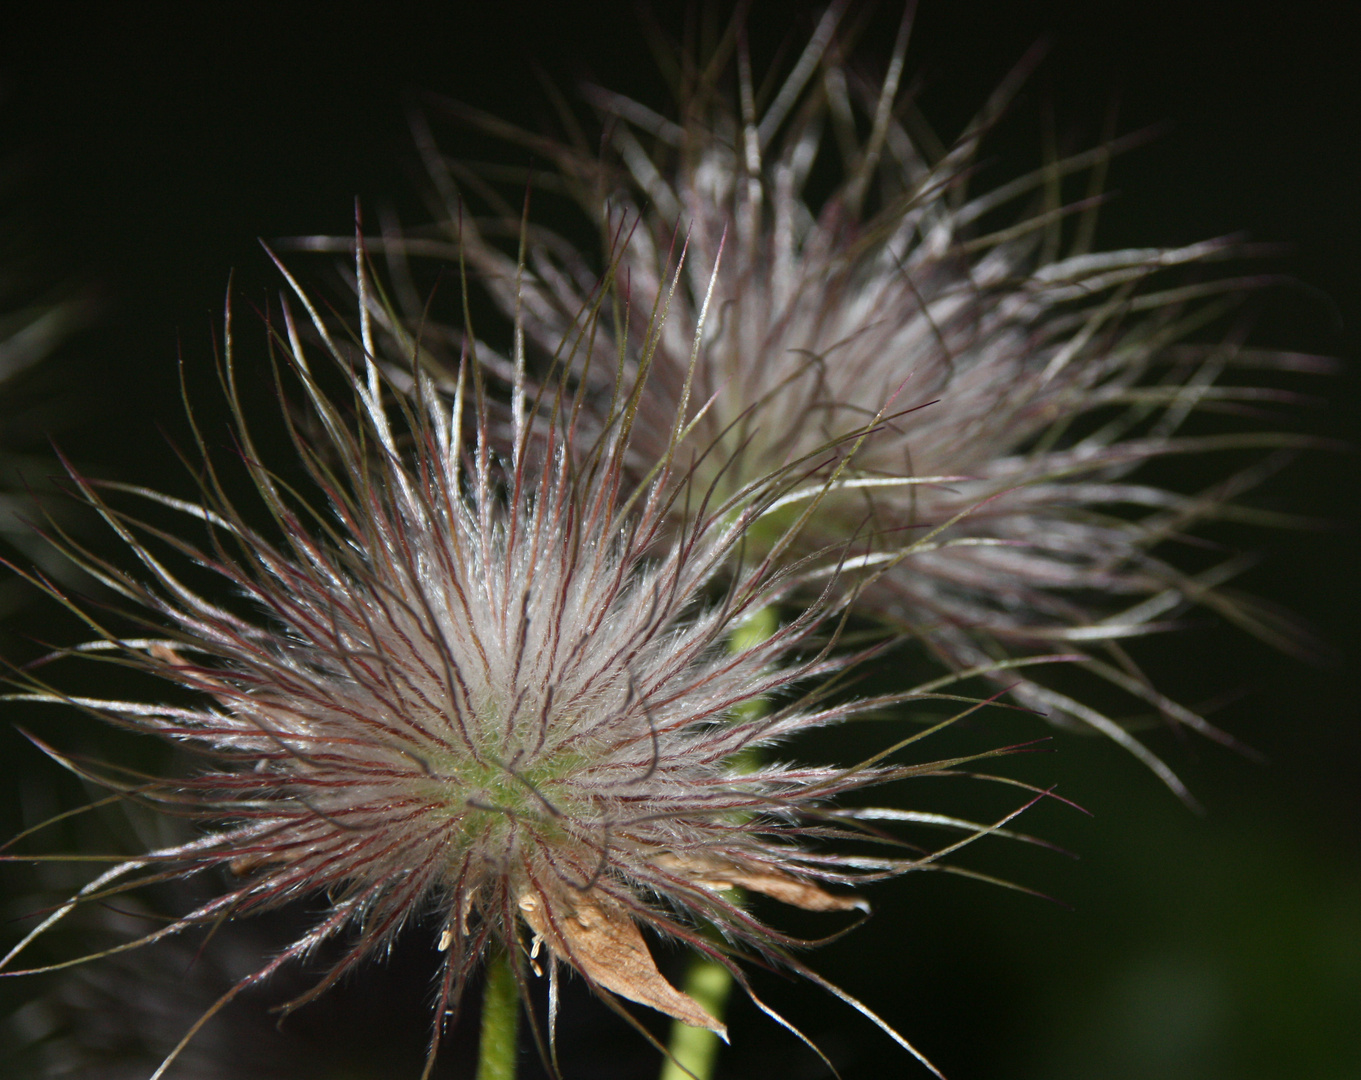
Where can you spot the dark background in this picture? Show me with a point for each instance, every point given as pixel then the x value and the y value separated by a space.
pixel 155 144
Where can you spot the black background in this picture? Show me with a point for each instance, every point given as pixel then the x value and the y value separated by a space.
pixel 158 143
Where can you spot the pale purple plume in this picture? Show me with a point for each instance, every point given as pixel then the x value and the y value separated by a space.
pixel 496 693
pixel 983 392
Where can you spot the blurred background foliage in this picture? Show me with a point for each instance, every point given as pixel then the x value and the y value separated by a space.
pixel 166 139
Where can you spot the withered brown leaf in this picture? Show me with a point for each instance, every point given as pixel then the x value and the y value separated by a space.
pixel 598 937
pixel 786 888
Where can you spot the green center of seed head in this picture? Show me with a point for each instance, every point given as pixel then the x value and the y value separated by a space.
pixel 489 794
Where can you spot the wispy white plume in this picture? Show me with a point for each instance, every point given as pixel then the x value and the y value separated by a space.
pixel 493 691
pixel 1011 379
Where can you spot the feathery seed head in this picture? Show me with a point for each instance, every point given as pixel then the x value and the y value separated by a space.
pixel 982 396
pixel 502 692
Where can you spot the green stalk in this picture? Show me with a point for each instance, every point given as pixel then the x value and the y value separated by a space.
pixel 497 1052
pixel 692 1048
pixel 694 1051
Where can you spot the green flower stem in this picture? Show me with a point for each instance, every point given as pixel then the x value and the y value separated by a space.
pixel 497 1052
pixel 694 1051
